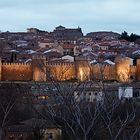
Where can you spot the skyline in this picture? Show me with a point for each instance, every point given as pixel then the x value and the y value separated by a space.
pixel 90 15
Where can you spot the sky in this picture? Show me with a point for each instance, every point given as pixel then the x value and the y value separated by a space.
pixel 90 15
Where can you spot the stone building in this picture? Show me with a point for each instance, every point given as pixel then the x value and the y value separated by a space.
pixel 67 35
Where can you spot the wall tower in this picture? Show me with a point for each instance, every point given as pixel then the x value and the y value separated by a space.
pixel 82 68
pixel 138 70
pixel 39 68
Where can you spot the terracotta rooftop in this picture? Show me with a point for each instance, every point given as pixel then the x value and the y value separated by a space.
pixel 68 46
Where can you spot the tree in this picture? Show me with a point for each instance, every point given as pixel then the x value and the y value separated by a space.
pixel 11 97
pixel 7 105
pixel 85 110
pixel 84 118
pixel 132 37
pixel 125 35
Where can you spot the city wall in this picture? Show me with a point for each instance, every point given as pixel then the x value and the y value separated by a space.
pixel 60 71
pixel 16 72
pixel 105 72
pixel 80 70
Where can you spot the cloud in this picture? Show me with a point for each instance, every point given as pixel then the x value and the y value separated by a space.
pixel 89 14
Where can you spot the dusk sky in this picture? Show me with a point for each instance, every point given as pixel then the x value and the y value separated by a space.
pixel 90 15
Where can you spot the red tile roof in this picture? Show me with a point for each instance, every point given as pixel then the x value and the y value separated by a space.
pixel 68 46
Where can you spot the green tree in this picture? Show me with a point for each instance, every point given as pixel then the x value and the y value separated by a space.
pixel 125 35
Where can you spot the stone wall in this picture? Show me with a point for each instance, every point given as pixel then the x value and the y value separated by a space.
pixel 102 72
pixel 138 70
pixel 81 70
pixel 60 71
pixel 39 68
pixel 16 72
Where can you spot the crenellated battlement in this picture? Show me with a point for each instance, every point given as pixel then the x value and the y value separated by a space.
pixel 17 64
pixel 80 69
pixel 60 63
pixel 16 71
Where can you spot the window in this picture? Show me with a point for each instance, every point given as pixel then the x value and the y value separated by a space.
pixel 20 137
pixel 12 137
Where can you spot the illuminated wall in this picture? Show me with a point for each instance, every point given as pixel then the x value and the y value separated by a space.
pixel 60 71
pixel 16 72
pixel 39 68
pixel 138 70
pixel 122 69
pixel 81 70
pixel 102 72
